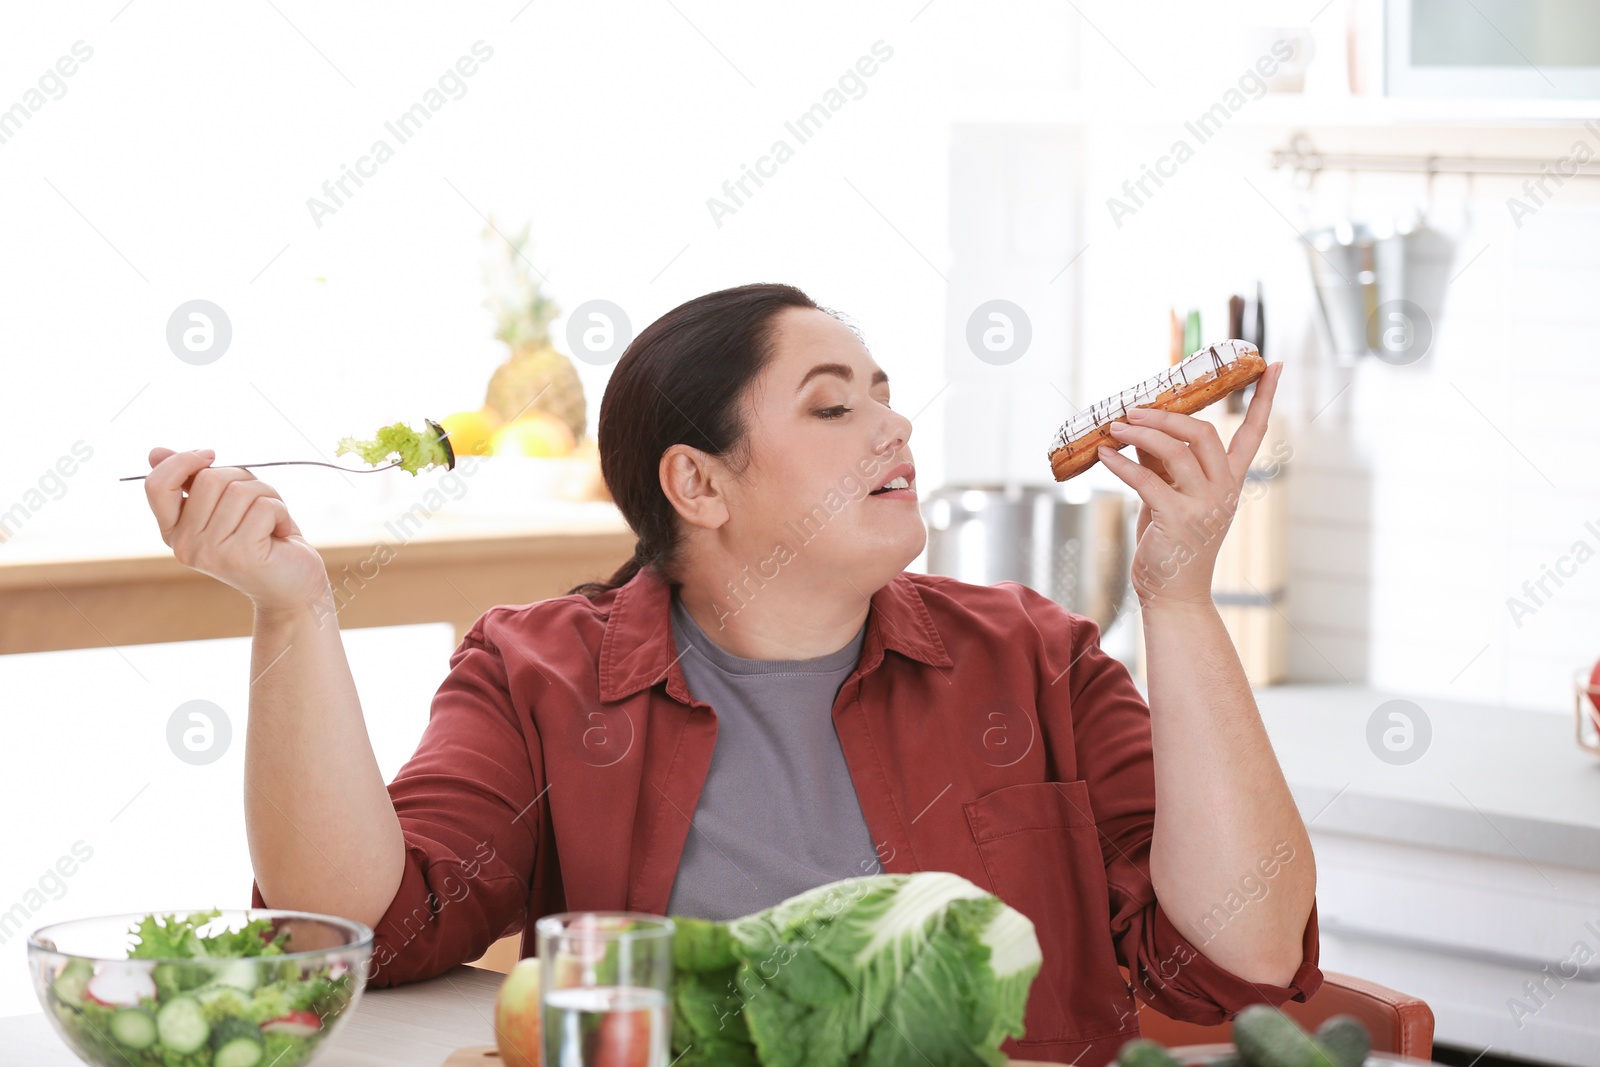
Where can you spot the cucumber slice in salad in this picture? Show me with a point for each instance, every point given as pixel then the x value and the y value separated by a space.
pixel 134 1028
pixel 73 982
pixel 237 1043
pixel 242 974
pixel 240 1052
pixel 182 1024
pixel 217 992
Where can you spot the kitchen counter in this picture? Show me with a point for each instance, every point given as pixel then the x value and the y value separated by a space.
pixel 1469 877
pixel 93 590
pixel 1491 781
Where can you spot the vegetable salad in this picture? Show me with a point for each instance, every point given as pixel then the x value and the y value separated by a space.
pixel 212 1001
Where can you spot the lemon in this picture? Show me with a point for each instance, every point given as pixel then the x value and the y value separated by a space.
pixel 470 431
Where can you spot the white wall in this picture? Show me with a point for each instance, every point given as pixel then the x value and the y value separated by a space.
pixel 1422 497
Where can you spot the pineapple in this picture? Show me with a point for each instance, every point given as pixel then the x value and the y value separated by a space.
pixel 536 377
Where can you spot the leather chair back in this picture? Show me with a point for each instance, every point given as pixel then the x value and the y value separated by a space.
pixel 1397 1022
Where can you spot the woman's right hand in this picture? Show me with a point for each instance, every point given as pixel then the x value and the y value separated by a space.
pixel 235 528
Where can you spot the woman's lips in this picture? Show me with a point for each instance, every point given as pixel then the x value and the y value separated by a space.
pixel 903 472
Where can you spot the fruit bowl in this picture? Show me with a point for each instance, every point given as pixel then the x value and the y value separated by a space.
pixel 239 1010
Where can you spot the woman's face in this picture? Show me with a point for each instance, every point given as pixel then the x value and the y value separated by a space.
pixel 822 438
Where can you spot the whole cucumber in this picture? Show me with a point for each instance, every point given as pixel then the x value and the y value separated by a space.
pixel 1344 1040
pixel 1266 1037
pixel 1142 1053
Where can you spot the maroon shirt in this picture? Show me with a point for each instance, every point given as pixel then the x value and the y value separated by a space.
pixel 986 733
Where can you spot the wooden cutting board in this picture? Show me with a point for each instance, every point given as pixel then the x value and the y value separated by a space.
pixel 489 1056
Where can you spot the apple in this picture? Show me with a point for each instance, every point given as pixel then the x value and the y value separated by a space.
pixel 1594 694
pixel 535 433
pixel 516 1015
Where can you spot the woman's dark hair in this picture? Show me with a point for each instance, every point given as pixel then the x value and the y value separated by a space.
pixel 681 382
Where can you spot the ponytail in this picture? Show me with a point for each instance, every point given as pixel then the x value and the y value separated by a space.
pixel 623 575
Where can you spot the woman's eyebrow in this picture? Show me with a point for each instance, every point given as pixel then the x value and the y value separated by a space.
pixel 842 370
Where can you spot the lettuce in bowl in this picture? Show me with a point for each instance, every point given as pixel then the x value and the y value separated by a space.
pixel 250 988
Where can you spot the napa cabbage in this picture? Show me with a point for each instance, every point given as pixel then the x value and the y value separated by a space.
pixel 878 971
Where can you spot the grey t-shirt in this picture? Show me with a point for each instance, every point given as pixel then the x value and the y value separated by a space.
pixel 778 813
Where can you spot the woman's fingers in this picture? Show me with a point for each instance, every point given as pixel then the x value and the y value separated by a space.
pixel 1177 458
pixel 226 523
pixel 204 491
pixel 283 523
pixel 1149 462
pixel 265 517
pixel 1151 487
pixel 1199 436
pixel 1247 438
pixel 163 486
pixel 236 499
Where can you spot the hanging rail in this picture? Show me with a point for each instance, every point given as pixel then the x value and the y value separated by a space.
pixel 1304 159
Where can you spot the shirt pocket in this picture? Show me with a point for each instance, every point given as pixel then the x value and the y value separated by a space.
pixel 1041 849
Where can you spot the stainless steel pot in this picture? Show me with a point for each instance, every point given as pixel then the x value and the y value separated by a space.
pixel 1074 552
pixel 1380 289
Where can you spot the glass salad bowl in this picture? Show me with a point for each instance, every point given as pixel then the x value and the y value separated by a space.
pixel 221 988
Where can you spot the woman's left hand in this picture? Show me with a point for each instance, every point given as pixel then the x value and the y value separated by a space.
pixel 1189 486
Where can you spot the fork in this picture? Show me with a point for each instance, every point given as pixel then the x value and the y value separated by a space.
pixel 285 463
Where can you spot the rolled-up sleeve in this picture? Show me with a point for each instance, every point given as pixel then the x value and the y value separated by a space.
pixel 1113 750
pixel 1199 991
pixel 466 801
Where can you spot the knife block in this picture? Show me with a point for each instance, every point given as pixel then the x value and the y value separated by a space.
pixel 1252 571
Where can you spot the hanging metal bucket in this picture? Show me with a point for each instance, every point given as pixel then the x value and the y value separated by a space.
pixel 1380 290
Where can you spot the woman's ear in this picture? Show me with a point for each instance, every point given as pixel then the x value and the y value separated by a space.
pixel 693 481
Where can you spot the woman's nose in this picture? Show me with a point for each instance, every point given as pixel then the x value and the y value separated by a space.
pixel 894 434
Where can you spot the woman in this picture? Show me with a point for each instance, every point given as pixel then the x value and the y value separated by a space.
pixel 762 701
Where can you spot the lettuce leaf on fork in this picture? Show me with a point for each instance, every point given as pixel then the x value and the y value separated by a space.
pixel 414 451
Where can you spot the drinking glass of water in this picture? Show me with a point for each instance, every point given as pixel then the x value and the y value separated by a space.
pixel 605 977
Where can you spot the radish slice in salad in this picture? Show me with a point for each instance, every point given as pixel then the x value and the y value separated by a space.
pixel 296 1023
pixel 121 985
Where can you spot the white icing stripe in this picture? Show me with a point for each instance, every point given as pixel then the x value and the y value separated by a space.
pixel 1197 367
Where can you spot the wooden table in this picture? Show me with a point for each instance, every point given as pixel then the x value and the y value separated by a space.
pixel 449 570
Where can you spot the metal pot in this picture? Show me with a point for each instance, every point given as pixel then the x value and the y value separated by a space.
pixel 1380 288
pixel 1076 552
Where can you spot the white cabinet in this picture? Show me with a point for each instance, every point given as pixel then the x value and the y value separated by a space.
pixel 1503 957
pixel 1469 877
